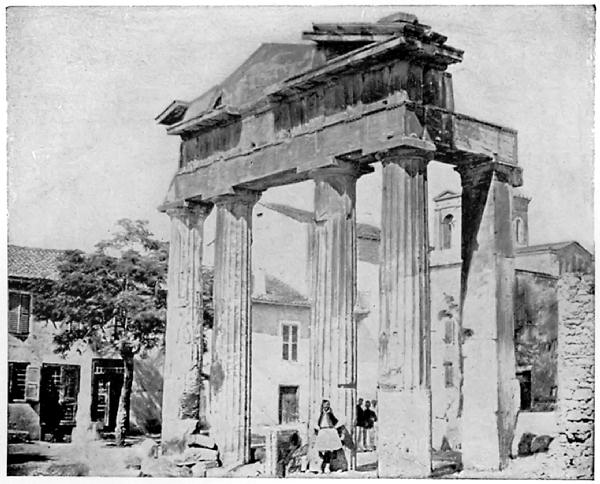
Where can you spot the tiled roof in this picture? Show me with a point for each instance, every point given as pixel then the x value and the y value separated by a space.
pixel 276 291
pixel 363 231
pixel 32 262
pixel 552 247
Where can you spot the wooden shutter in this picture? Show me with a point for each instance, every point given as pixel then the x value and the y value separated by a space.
pixel 285 348
pixel 24 315
pixel 294 355
pixel 32 383
pixel 69 380
pixel 14 301
pixel 69 388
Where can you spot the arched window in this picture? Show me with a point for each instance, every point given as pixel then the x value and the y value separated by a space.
pixel 447 223
pixel 519 231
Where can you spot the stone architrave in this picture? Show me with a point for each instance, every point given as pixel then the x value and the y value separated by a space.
pixel 185 318
pixel 404 395
pixel 230 376
pixel 333 343
pixel 490 388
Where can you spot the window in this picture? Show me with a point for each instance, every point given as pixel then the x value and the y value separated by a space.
pixel 288 404
pixel 449 331
pixel 524 378
pixel 519 231
pixel 448 374
pixel 19 309
pixel 289 333
pixel 17 375
pixel 447 223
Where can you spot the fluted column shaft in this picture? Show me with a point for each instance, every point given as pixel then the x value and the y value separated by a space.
pixel 404 396
pixel 333 327
pixel 183 339
pixel 230 378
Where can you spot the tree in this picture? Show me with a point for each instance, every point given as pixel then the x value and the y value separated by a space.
pixel 113 299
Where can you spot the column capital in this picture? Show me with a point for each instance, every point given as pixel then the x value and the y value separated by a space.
pixel 410 158
pixel 475 173
pixel 335 189
pixel 191 211
pixel 339 169
pixel 239 196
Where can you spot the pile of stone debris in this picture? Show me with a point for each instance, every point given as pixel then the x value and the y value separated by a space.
pixel 533 444
pixel 199 456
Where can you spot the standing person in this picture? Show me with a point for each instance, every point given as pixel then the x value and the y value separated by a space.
pixel 375 425
pixel 328 440
pixel 370 418
pixel 360 424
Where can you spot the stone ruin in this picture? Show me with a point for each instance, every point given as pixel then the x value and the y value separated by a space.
pixel 357 95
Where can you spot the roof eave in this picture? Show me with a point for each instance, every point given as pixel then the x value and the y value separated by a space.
pixel 219 116
pixel 173 113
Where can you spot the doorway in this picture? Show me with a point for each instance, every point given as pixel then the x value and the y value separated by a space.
pixel 59 387
pixel 107 380
pixel 288 404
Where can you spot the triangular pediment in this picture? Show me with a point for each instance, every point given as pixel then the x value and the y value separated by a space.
pixel 268 65
pixel 446 195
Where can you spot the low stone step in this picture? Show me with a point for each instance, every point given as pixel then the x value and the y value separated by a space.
pixel 199 440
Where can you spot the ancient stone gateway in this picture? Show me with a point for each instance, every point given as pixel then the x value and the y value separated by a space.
pixel 359 94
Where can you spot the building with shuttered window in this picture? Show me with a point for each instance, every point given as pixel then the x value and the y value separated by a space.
pixel 48 393
pixel 84 386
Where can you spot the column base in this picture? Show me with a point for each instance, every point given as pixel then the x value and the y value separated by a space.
pixel 175 434
pixel 404 434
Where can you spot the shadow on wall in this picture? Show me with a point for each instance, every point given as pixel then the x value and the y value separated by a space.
pixel 146 397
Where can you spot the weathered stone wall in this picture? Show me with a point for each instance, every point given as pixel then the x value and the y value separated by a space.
pixel 536 326
pixel 575 449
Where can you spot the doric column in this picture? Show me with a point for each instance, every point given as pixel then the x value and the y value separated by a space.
pixel 183 339
pixel 490 388
pixel 333 328
pixel 230 376
pixel 404 395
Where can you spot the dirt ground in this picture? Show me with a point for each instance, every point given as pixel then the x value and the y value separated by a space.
pixel 98 458
pixel 103 459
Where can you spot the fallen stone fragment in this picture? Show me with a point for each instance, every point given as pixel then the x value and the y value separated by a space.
pixel 200 454
pixel 541 444
pixel 525 444
pixel 199 440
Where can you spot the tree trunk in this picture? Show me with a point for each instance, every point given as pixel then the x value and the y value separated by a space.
pixel 122 425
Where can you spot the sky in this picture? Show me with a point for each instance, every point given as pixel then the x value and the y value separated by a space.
pixel 85 84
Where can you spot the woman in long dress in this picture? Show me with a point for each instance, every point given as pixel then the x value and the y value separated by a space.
pixel 328 440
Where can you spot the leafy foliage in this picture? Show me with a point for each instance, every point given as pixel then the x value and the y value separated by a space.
pixel 111 299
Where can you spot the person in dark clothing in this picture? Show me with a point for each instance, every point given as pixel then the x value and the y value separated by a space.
pixel 370 417
pixel 52 411
pixel 360 424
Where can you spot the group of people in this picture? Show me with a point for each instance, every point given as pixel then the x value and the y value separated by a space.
pixel 365 424
pixel 332 436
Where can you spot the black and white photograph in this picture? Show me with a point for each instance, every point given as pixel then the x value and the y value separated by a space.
pixel 325 241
